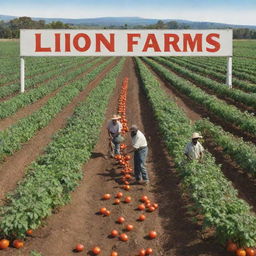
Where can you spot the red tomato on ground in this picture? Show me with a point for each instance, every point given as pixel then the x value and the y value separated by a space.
pixel 141 207
pixel 18 244
pixel 240 252
pixel 119 195
pixel 142 252
pixel 123 237
pixel 4 243
pixel 149 251
pixel 114 233
pixel 96 250
pixel 121 220
pixel 129 227
pixel 106 197
pixel 152 234
pixel 250 252
pixel 142 217
pixel 79 248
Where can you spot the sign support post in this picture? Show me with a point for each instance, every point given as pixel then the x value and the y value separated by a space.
pixel 229 72
pixel 22 75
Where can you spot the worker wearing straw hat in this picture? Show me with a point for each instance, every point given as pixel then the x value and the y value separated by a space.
pixel 140 146
pixel 194 149
pixel 114 131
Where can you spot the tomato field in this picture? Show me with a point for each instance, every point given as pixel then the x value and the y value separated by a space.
pixel 62 194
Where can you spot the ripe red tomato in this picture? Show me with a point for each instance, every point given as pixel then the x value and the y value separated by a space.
pixel 4 243
pixel 29 232
pixel 126 182
pixel 114 233
pixel 240 252
pixel 127 158
pixel 250 252
pixel 114 254
pixel 141 207
pixel 129 227
pixel 147 202
pixel 151 208
pixel 144 198
pixel 128 176
pixel 79 248
pixel 152 234
pixel 126 187
pixel 142 252
pixel 232 247
pixel 103 210
pixel 121 220
pixel 18 244
pixel 117 201
pixel 128 199
pixel 123 237
pixel 107 213
pixel 142 217
pixel 106 197
pixel 155 205
pixel 149 251
pixel 96 250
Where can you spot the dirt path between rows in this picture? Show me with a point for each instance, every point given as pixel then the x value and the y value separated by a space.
pixel 12 170
pixel 79 222
pixel 29 109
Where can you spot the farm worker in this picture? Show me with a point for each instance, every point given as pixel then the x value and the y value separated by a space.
pixel 114 131
pixel 194 149
pixel 140 149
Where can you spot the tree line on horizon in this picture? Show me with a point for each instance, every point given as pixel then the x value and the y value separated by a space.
pixel 11 29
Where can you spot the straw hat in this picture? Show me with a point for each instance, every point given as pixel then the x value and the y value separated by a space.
pixel 196 135
pixel 115 117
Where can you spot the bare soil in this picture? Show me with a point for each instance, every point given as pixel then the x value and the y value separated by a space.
pixel 78 222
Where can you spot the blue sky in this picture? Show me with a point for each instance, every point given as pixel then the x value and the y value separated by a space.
pixel 228 11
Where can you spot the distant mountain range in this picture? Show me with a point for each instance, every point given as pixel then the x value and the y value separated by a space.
pixel 133 21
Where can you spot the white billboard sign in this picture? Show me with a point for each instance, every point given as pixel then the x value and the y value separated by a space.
pixel 126 42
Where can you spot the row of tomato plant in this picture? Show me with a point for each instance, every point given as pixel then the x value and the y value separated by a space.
pixel 205 71
pixel 245 121
pixel 243 153
pixel 213 195
pixel 51 178
pixel 220 67
pixel 12 105
pixel 238 73
pixel 32 69
pixel 242 65
pixel 10 67
pixel 218 88
pixel 44 75
pixel 13 137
